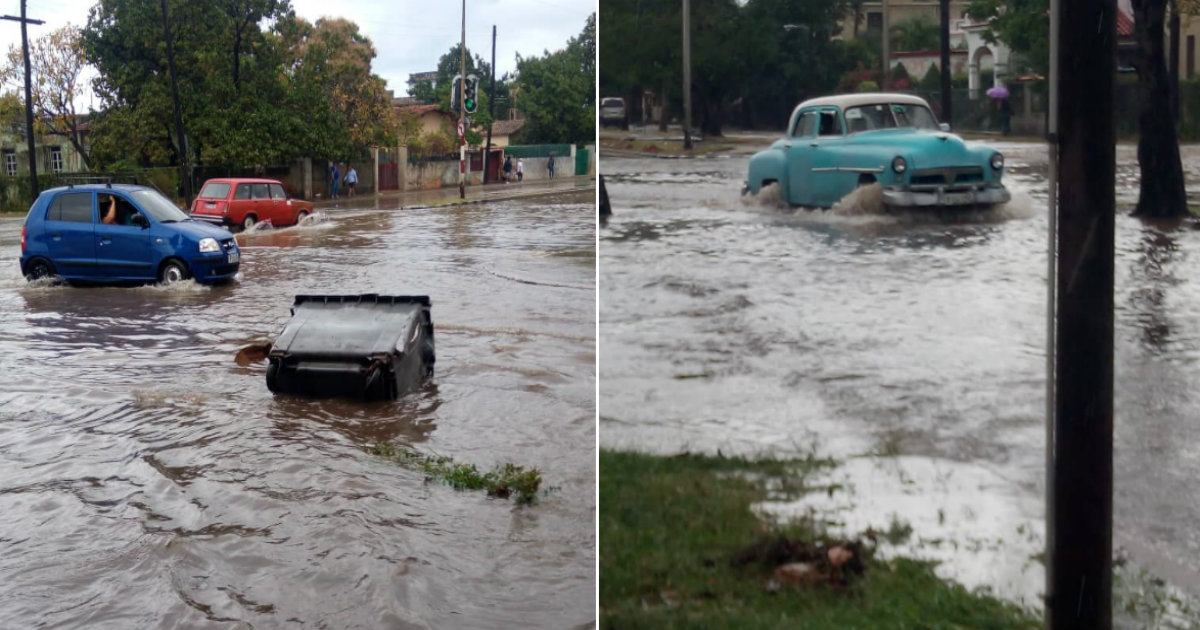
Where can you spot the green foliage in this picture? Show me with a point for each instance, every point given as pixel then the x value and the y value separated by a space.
pixel 932 79
pixel 557 91
pixel 669 527
pixel 1024 25
pixel 867 86
pixel 256 84
pixel 916 33
pixel 502 481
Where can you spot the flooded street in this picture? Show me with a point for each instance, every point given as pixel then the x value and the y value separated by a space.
pixel 147 480
pixel 910 347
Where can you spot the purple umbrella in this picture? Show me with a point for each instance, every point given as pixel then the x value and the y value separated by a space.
pixel 998 91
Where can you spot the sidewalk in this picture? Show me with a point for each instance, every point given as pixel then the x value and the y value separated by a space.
pixel 417 199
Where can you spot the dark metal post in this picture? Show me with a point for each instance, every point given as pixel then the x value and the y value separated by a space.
pixel 1080 594
pixel 491 108
pixel 33 182
pixel 184 171
pixel 1173 59
pixel 946 95
pixel 462 110
pixel 687 76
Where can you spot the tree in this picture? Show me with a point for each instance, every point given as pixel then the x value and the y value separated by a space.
pixel 1162 191
pixel 57 60
pixel 558 91
pixel 916 33
pixel 1024 25
pixel 332 59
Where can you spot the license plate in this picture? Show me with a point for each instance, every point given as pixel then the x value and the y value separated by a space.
pixel 210 204
pixel 957 199
pixel 234 257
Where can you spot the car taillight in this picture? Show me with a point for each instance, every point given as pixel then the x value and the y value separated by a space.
pixel 22 239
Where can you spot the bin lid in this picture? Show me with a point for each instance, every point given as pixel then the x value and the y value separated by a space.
pixel 350 327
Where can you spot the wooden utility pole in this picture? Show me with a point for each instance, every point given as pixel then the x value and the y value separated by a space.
pixel 1173 59
pixel 184 172
pixel 33 182
pixel 946 95
pixel 687 76
pixel 1079 593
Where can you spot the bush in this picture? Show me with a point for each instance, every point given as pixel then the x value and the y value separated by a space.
pixel 868 86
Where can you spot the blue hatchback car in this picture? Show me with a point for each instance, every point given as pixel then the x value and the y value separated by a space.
pixel 122 233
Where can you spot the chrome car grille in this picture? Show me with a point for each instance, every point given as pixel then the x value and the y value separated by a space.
pixel 947 176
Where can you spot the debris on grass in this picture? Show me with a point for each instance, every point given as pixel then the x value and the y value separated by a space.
pixel 504 481
pixel 803 563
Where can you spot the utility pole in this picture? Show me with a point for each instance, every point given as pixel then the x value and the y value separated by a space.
pixel 33 183
pixel 946 96
pixel 1173 59
pixel 462 110
pixel 491 108
pixel 185 175
pixel 687 76
pixel 1080 479
pixel 886 80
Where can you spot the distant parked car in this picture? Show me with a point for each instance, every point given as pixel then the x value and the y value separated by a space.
pixel 613 112
pixel 66 234
pixel 244 202
pixel 835 144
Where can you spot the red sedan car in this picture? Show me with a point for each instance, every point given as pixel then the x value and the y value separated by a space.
pixel 244 202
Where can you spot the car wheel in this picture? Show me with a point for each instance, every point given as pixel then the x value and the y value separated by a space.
pixel 249 222
pixel 301 216
pixel 172 271
pixel 273 380
pixel 39 268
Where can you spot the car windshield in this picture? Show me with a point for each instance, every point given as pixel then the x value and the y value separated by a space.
pixel 214 190
pixel 159 207
pixel 889 116
pixel 612 102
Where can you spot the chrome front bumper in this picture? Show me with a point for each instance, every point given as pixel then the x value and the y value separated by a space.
pixel 940 196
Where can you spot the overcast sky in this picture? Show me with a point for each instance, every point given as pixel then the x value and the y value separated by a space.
pixel 409 35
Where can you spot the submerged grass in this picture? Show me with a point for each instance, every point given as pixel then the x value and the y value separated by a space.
pixel 502 481
pixel 671 526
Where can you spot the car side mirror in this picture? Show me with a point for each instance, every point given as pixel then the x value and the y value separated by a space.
pixel 139 220
pixel 944 126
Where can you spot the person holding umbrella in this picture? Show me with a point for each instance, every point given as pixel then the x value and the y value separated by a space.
pixel 1000 93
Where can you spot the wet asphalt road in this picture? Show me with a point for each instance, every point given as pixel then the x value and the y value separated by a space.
pixel 147 480
pixel 909 346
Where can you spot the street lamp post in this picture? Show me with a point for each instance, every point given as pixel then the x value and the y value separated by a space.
pixel 885 81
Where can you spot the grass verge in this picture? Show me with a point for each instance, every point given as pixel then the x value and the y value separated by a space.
pixel 502 481
pixel 670 528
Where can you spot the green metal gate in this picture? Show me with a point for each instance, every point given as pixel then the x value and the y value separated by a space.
pixel 581 161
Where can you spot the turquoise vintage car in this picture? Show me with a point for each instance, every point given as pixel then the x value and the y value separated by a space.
pixel 835 144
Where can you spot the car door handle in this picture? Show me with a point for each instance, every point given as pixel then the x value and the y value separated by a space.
pixel 105 240
pixel 56 236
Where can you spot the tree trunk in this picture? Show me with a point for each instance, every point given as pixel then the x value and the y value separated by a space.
pixel 1162 192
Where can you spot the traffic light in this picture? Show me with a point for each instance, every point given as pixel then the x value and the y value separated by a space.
pixel 472 98
pixel 455 91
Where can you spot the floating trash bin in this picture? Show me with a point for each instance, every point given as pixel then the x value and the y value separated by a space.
pixel 372 347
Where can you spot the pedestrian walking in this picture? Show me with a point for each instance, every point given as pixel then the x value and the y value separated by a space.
pixel 1005 116
pixel 550 165
pixel 335 179
pixel 520 170
pixel 507 168
pixel 351 180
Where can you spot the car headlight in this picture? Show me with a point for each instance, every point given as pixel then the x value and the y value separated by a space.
pixel 899 165
pixel 209 245
pixel 997 161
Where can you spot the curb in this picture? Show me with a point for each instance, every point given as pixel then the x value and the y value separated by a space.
pixel 466 202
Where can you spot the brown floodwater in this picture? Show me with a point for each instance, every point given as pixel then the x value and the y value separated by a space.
pixel 147 480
